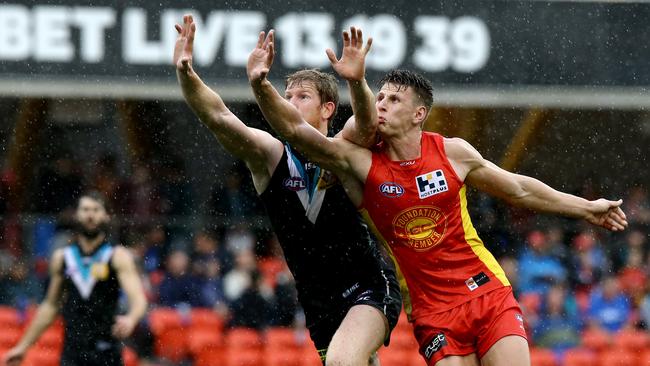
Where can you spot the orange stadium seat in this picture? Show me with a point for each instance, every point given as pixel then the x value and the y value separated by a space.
pixel 309 357
pixel 209 357
pixel 9 317
pixel 42 357
pixel 542 357
pixel 243 338
pixel 51 338
pixel 9 337
pixel 579 357
pixel 130 357
pixel 632 340
pixel 415 359
pixel 171 344
pixel 282 338
pixel 596 339
pixel 162 319
pixel 617 357
pixel 243 357
pixel 644 358
pixel 404 340
pixel 202 339
pixel 282 357
pixel 206 318
pixel 392 356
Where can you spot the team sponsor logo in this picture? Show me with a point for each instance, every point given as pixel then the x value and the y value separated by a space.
pixel 435 345
pixel 327 180
pixel 349 291
pixel 422 227
pixel 520 319
pixel 99 271
pixel 431 183
pixel 391 189
pixel 474 282
pixel 364 296
pixel 295 184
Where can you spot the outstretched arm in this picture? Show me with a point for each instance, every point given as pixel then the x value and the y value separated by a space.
pixel 282 115
pixel 257 148
pixel 523 191
pixel 45 315
pixel 361 128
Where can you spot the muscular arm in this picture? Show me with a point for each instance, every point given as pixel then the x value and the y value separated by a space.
pixel 284 117
pixel 127 276
pixel 48 309
pixel 258 149
pixel 522 191
pixel 361 128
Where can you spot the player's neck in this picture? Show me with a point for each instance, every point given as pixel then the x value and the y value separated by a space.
pixel 406 146
pixel 89 245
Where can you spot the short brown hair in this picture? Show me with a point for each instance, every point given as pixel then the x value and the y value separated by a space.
pixel 325 84
pixel 421 86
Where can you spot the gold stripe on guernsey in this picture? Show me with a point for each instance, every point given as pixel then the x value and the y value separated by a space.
pixel 471 237
pixel 406 297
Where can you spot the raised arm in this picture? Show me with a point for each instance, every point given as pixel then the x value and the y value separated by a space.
pixel 361 128
pixel 523 191
pixel 285 117
pixel 258 149
pixel 130 282
pixel 45 315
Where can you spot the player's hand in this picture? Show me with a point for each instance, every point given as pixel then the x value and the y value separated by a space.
pixel 14 356
pixel 123 326
pixel 261 59
pixel 351 66
pixel 184 44
pixel 607 214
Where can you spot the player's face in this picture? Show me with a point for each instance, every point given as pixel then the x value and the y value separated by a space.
pixel 396 109
pixel 91 214
pixel 306 99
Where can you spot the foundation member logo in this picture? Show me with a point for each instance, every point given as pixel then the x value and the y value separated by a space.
pixel 422 227
pixel 431 183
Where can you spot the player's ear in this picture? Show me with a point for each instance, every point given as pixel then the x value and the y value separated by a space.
pixel 327 110
pixel 420 115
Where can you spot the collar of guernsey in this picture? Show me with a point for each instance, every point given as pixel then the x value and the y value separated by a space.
pixel 311 197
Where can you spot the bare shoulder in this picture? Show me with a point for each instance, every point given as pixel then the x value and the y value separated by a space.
pixel 56 261
pixel 459 149
pixel 121 257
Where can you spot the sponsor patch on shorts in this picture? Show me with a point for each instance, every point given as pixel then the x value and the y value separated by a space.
pixel 435 345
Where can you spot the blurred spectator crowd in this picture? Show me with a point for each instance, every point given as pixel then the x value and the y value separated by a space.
pixel 568 276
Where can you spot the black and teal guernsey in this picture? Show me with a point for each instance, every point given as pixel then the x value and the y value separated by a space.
pixel 91 294
pixel 326 244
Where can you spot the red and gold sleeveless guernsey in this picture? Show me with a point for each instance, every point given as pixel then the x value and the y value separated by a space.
pixel 418 209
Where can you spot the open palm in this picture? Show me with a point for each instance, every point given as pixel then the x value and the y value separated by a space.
pixel 261 59
pixel 351 66
pixel 184 44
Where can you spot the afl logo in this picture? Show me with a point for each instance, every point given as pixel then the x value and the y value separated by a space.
pixel 391 190
pixel 420 227
pixel 295 184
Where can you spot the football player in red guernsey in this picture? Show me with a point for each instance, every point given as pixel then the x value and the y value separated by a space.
pixel 411 189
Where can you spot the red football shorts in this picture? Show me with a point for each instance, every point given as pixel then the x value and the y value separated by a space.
pixel 472 327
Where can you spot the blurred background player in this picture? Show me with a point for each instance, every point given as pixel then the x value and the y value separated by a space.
pixel 86 277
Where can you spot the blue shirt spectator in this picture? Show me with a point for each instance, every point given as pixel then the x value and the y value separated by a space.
pixel 538 270
pixel 609 308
